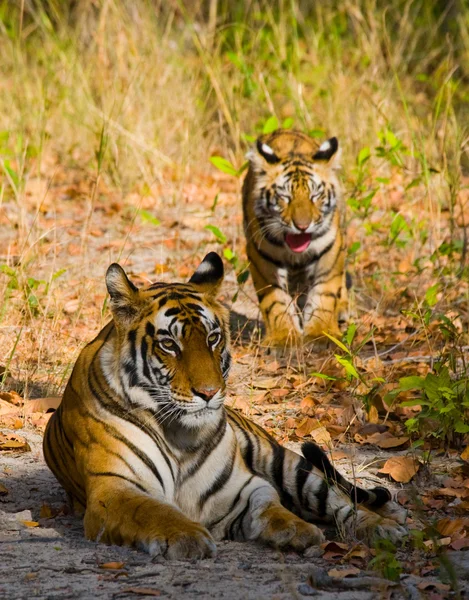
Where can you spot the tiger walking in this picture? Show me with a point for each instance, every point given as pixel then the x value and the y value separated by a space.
pixel 145 447
pixel 293 217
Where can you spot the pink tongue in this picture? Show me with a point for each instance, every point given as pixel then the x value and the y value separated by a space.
pixel 298 242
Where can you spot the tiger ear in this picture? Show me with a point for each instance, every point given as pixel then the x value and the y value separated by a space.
pixel 327 150
pixel 267 153
pixel 125 301
pixel 209 274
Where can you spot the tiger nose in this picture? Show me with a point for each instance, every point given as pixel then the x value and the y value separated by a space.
pixel 301 224
pixel 206 393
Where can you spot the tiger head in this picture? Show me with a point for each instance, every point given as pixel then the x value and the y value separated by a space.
pixel 171 352
pixel 295 193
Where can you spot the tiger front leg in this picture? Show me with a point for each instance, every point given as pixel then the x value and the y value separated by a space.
pixel 266 520
pixel 118 514
pixel 277 306
pixel 327 301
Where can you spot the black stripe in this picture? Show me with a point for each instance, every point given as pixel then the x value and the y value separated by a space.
pixel 238 524
pixel 269 258
pixel 112 431
pixel 208 448
pixel 233 504
pixel 268 310
pixel 278 458
pixel 303 471
pixel 321 496
pixel 109 474
pixel 219 481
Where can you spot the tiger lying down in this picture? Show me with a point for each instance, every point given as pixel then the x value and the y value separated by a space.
pixel 144 445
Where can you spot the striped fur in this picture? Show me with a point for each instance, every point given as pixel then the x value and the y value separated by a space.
pixel 294 233
pixel 145 447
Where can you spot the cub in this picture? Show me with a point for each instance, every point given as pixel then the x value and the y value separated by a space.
pixel 293 223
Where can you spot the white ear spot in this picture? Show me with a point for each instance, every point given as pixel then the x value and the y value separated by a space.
pixel 267 150
pixel 204 268
pixel 325 146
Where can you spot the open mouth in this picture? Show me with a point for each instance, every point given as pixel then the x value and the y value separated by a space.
pixel 298 242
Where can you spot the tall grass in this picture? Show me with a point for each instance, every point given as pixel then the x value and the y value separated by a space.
pixel 124 94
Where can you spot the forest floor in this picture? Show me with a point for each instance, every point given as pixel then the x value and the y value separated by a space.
pixel 56 248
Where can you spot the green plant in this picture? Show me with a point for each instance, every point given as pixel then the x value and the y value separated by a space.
pixel 385 560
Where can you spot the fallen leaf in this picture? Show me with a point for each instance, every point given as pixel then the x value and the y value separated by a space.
pixel 290 423
pixel 341 573
pixel 460 544
pixel 112 565
pixel 453 527
pixel 338 455
pixel 306 426
pixel 279 392
pixel 265 384
pixel 465 454
pixel 386 440
pixel 141 591
pixel 30 523
pixel 373 416
pixel 13 443
pixel 46 511
pixel 3 490
pixel 307 406
pixel 321 436
pixel 400 468
pixel 425 585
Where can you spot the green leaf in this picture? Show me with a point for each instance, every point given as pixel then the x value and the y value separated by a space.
pixel 337 342
pixel 350 333
pixel 221 237
pixel 461 427
pixel 147 217
pixel 353 248
pixel 323 376
pixel 223 165
pixel 414 382
pixel 287 123
pixel 363 156
pixel 270 125
pixel 430 294
pixel 243 277
pixel 345 362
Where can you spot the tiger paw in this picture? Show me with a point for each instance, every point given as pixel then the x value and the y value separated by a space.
pixel 375 527
pixel 316 329
pixel 179 543
pixel 283 339
pixel 284 529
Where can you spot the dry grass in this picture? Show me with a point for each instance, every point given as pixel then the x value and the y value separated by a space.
pixel 118 110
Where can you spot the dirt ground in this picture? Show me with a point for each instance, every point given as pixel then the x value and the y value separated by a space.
pixel 42 548
pixel 53 560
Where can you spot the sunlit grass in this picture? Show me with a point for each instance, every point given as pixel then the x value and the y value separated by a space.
pixel 121 99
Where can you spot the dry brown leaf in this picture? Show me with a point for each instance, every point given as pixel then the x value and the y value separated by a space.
pixel 456 528
pixel 307 406
pixel 338 455
pixel 112 565
pixel 142 591
pixel 306 427
pixel 373 416
pixel 425 585
pixel 401 468
pixel 279 392
pixel 266 384
pixel 3 490
pixel 13 443
pixel 341 573
pixel 465 454
pixel 46 511
pixel 460 544
pixel 386 440
pixel 42 404
pixel 290 423
pixel 320 435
